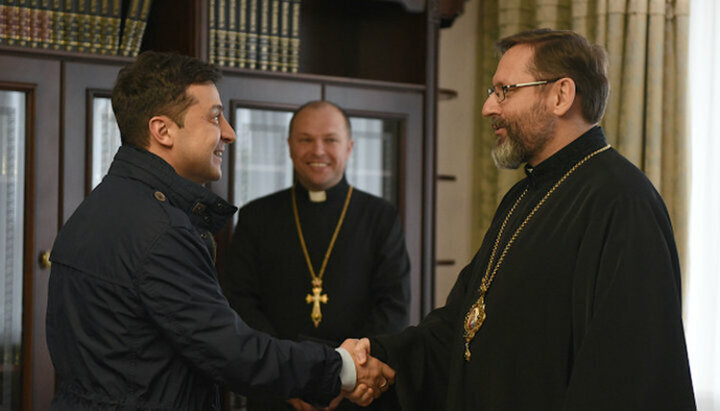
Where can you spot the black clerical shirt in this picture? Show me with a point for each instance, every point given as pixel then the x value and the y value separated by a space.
pixel 366 279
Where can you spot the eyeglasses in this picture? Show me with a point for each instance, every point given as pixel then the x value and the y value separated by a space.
pixel 501 91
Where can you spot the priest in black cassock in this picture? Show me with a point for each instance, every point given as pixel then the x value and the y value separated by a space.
pixel 573 300
pixel 321 260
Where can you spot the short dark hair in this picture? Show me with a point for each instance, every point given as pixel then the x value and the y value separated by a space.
pixel 564 53
pixel 315 104
pixel 156 84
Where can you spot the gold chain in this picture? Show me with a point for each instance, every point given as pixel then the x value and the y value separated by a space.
pixel 316 298
pixel 475 317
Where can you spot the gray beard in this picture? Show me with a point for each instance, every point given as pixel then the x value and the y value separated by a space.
pixel 519 146
pixel 510 154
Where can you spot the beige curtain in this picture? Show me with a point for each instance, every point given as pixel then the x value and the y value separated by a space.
pixel 647 44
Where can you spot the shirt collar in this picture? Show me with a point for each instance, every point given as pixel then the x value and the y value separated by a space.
pixel 334 193
pixel 560 162
pixel 204 208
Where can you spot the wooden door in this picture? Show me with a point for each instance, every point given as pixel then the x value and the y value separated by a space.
pixel 29 131
pixel 405 108
pixel 236 92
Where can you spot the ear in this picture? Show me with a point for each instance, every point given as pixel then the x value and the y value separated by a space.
pixel 351 144
pixel 563 96
pixel 160 129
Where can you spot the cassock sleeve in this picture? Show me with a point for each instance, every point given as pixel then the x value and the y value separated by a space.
pixel 421 356
pixel 180 293
pixel 390 287
pixel 241 278
pixel 628 337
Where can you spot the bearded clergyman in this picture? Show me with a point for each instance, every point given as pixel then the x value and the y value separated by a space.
pixel 573 300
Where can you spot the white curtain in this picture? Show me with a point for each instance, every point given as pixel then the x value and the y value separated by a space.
pixel 702 294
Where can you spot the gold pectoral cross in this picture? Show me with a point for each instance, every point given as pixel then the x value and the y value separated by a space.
pixel 315 299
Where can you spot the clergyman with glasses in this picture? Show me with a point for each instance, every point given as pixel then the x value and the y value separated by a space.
pixel 573 300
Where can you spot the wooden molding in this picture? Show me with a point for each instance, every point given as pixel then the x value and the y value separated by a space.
pixel 445 262
pixel 445 94
pixel 446 177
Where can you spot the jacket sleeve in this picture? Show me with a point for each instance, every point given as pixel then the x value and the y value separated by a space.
pixel 240 281
pixel 179 290
pixel 390 285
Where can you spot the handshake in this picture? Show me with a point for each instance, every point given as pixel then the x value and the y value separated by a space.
pixel 373 378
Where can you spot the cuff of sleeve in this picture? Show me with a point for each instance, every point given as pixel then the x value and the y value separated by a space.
pixel 348 376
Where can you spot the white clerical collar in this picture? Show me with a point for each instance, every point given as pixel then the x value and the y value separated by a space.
pixel 317 196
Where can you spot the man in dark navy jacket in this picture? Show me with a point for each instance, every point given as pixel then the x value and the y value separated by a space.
pixel 136 318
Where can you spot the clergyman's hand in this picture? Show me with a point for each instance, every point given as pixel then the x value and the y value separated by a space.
pixel 300 405
pixel 333 404
pixel 373 376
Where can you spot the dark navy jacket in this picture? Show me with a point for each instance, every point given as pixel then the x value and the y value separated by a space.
pixel 136 318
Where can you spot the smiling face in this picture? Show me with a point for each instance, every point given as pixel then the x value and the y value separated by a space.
pixel 320 146
pixel 523 123
pixel 199 145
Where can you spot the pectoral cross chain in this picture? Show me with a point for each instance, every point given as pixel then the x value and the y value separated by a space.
pixel 317 296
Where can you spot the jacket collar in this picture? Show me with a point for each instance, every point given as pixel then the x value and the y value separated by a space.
pixel 560 162
pixel 205 209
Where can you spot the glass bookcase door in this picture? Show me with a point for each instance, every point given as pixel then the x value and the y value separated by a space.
pixel 262 162
pixel 105 139
pixel 373 165
pixel 12 190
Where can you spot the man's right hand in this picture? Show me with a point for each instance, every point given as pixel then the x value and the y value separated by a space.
pixel 373 376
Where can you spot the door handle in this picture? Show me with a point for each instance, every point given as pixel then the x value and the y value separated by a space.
pixel 45 259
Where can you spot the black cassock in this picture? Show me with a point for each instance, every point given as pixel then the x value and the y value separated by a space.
pixel 584 312
pixel 367 279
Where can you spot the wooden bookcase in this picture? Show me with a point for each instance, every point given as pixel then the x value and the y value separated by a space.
pixel 374 58
pixel 352 39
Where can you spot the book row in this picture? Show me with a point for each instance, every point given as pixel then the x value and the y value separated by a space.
pixel 112 27
pixel 255 34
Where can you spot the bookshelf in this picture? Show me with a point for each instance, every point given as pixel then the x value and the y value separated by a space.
pixel 107 27
pixel 364 39
pixel 353 39
pixel 363 48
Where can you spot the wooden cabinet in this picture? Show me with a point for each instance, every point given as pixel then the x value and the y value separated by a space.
pixel 56 97
pixel 373 58
pixel 367 56
pixel 401 106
